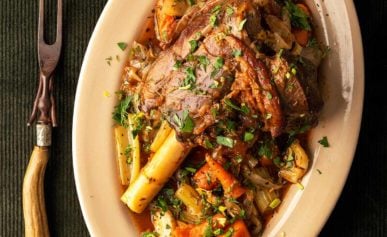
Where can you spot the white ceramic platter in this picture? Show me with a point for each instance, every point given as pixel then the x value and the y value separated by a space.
pixel 303 212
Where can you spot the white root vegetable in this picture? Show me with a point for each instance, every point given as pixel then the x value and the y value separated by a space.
pixel 161 135
pixel 164 223
pixel 155 174
pixel 121 137
pixel 134 144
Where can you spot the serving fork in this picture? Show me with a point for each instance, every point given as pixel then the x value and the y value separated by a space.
pixel 43 113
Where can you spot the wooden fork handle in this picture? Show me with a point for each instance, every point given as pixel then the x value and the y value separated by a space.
pixel 34 208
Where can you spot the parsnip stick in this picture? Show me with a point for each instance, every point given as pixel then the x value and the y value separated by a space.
pixel 161 135
pixel 155 173
pixel 121 137
pixel 134 143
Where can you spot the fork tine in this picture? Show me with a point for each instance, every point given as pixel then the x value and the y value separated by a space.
pixel 41 22
pixel 59 23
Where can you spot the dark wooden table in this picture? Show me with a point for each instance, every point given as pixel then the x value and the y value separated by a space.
pixel 361 210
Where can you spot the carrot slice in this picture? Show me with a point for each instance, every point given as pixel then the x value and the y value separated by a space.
pixel 230 184
pixel 203 178
pixel 304 8
pixel 302 36
pixel 238 229
pixel 218 221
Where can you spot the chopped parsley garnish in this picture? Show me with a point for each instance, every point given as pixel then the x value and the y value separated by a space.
pixel 191 2
pixel 128 150
pixel 216 9
pixel 193 44
pixel 269 95
pixel 298 17
pixel 213 20
pixel 318 171
pixel 214 16
pixel 208 144
pixel 177 65
pixel 242 24
pixel 324 142
pixel 189 80
pixel 190 169
pixel 185 123
pixel 149 234
pixel 122 45
pixel 248 136
pixel 162 203
pixel 219 62
pixel 120 113
pixel 138 123
pixel 244 109
pixel 264 150
pixel 225 141
pixel 230 232
pixel 237 53
pixel 203 61
pixel 229 10
pixel 312 43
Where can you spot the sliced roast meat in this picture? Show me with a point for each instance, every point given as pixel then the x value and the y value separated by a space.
pixel 297 85
pixel 179 84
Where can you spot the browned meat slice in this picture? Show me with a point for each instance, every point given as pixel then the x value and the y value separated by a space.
pixel 296 82
pixel 187 81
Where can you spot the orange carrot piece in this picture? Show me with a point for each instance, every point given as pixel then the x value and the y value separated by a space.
pixel 239 229
pixel 304 8
pixel 264 161
pixel 230 184
pixel 302 36
pixel 200 229
pixel 203 178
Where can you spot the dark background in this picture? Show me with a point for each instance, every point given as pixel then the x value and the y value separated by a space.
pixel 360 211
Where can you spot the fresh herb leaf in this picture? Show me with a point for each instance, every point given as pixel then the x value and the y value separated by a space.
pixel 312 43
pixel 298 17
pixel 162 203
pixel 225 141
pixel 203 61
pixel 208 144
pixel 237 53
pixel 149 234
pixel 177 65
pixel 185 123
pixel 324 142
pixel 120 113
pixel 191 2
pixel 138 123
pixel 219 62
pixel 229 10
pixel 189 80
pixel 230 232
pixel 214 15
pixel 248 136
pixel 190 169
pixel 213 20
pixel 122 45
pixel 244 109
pixel 194 45
pixel 264 150
pixel 319 171
pixel 216 9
